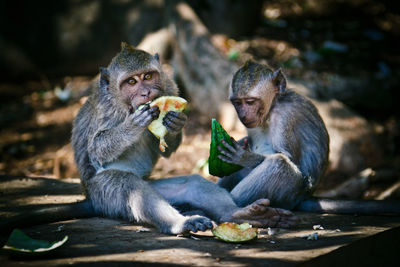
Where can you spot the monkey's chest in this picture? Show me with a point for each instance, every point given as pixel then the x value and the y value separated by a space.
pixel 138 158
pixel 260 143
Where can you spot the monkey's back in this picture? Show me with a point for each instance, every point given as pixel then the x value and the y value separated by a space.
pixel 79 140
pixel 307 140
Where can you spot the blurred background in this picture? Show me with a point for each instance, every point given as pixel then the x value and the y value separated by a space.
pixel 343 54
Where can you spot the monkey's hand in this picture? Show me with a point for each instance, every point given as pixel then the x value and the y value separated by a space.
pixel 142 117
pixel 239 155
pixel 174 122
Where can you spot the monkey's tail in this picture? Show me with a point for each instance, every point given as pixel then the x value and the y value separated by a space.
pixel 55 213
pixel 366 207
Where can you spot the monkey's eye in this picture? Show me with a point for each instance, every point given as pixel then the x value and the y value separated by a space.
pixel 147 76
pixel 250 102
pixel 236 102
pixel 131 81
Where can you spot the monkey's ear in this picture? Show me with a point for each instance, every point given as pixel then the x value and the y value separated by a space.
pixel 157 57
pixel 248 64
pixel 104 78
pixel 126 46
pixel 279 80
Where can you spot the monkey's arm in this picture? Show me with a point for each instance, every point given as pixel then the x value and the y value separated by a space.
pixel 107 144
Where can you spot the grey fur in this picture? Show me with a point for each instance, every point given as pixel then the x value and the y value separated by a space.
pixel 292 140
pixel 114 151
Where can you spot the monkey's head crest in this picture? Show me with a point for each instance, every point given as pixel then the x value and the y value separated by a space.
pixel 249 75
pixel 125 45
pixel 133 59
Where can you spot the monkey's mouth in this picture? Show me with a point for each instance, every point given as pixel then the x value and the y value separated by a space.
pixel 134 106
pixel 250 123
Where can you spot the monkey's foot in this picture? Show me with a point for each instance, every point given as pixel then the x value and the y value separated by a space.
pixel 192 223
pixel 259 214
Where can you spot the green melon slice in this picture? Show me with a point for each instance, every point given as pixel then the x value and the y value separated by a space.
pixel 216 166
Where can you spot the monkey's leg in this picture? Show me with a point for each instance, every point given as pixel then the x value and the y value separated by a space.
pixel 276 178
pixel 218 204
pixel 229 182
pixel 198 193
pixel 123 194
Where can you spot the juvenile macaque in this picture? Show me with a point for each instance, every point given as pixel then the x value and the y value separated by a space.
pixel 286 150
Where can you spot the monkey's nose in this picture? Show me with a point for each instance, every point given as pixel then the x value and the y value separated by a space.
pixel 243 118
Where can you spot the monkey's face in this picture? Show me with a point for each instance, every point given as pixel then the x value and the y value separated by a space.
pixel 249 109
pixel 140 88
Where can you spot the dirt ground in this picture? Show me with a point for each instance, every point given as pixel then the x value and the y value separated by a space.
pixel 35 127
pixel 105 242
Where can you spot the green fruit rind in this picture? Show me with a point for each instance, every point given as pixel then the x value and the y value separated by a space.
pixel 235 233
pixel 19 242
pixel 216 166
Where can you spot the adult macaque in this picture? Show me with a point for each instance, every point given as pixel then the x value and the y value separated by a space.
pixel 286 150
pixel 115 153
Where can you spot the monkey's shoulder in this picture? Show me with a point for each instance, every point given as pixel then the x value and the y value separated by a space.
pixel 295 108
pixel 295 115
pixel 293 100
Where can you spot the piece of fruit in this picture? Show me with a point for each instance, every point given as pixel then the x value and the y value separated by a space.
pixel 217 166
pixel 235 233
pixel 20 243
pixel 165 104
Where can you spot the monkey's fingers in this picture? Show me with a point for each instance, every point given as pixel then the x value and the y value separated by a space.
pixel 226 159
pixel 191 227
pixel 196 223
pixel 285 218
pixel 177 115
pixel 141 110
pixel 200 226
pixel 224 151
pixel 228 146
pixel 155 112
pixel 283 212
pixel 238 147
pixel 284 222
pixel 145 118
pixel 172 128
pixel 176 123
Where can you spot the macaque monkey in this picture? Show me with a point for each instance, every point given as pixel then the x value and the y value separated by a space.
pixel 286 150
pixel 115 153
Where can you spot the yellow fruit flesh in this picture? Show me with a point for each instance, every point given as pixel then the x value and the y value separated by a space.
pixel 235 233
pixel 165 104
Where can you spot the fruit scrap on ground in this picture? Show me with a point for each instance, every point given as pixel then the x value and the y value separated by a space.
pixel 235 233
